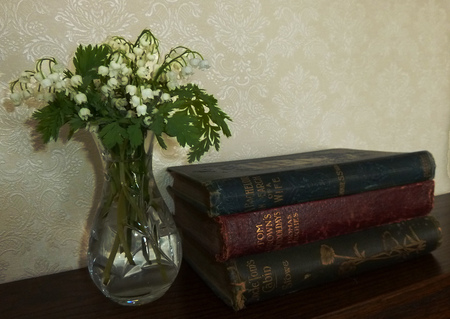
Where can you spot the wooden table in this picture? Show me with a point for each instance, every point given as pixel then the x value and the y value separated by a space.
pixel 415 289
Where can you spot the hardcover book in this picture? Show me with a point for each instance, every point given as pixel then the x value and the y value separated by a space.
pixel 253 278
pixel 254 184
pixel 239 234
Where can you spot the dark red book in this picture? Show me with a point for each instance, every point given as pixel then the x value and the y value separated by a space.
pixel 234 235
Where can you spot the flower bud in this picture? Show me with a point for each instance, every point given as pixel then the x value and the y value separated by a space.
pixel 194 62
pixel 204 64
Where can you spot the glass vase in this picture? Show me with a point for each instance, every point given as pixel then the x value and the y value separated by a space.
pixel 134 251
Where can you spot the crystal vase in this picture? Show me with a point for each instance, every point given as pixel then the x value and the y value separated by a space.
pixel 134 251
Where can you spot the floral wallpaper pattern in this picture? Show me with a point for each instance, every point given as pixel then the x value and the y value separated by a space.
pixel 295 75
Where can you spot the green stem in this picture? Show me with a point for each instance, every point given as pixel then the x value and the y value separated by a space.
pixel 110 262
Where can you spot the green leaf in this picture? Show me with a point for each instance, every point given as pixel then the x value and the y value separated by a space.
pixel 53 116
pixel 135 135
pixel 87 60
pixel 76 123
pixel 112 134
pixel 196 121
pixel 185 128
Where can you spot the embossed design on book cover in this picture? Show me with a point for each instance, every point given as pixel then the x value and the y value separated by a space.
pixel 393 248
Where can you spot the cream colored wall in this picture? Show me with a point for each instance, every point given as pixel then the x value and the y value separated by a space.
pixel 294 75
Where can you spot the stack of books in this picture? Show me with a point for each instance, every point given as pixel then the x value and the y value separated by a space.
pixel 259 228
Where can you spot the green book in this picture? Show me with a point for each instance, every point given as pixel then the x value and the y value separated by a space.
pixel 253 278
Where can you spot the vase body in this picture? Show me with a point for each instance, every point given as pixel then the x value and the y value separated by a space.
pixel 134 251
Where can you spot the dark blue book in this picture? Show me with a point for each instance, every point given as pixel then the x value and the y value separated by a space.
pixel 223 188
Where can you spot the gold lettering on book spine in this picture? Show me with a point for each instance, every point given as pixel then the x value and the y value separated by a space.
pixel 341 179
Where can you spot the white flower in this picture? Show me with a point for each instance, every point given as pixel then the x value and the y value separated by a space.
pixel 152 57
pixel 53 77
pixel 80 98
pixel 58 68
pixel 187 70
pixel 45 83
pixel 113 83
pixel 24 77
pixel 60 85
pixel 16 98
pixel 38 77
pixel 84 113
pixel 165 97
pixel 76 80
pixel 147 94
pixel 194 62
pixel 141 109
pixel 103 70
pixel 204 64
pixel 114 65
pixel 135 100
pixel 144 41
pixel 142 72
pixel 131 56
pixel 138 51
pixel 171 76
pixel 125 70
pixel 106 89
pixel 131 89
pixel 141 63
pixel 120 103
pixel 172 85
pixel 124 80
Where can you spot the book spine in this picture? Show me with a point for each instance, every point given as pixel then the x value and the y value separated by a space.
pixel 286 226
pixel 256 192
pixel 262 276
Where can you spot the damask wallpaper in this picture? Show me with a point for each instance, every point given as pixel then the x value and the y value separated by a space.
pixel 295 75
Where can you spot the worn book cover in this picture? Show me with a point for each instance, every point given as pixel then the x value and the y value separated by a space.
pixel 255 184
pixel 233 235
pixel 253 278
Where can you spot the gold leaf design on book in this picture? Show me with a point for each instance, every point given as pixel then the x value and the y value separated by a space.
pixel 392 249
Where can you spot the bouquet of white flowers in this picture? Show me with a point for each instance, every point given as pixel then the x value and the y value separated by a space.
pixel 124 89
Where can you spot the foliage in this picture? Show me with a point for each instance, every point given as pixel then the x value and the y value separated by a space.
pixel 122 90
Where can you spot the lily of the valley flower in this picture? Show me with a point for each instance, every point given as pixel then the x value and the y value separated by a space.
pixel 147 94
pixel 165 97
pixel 141 109
pixel 131 89
pixel 76 80
pixel 103 70
pixel 84 113
pixel 16 98
pixel 204 64
pixel 80 98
